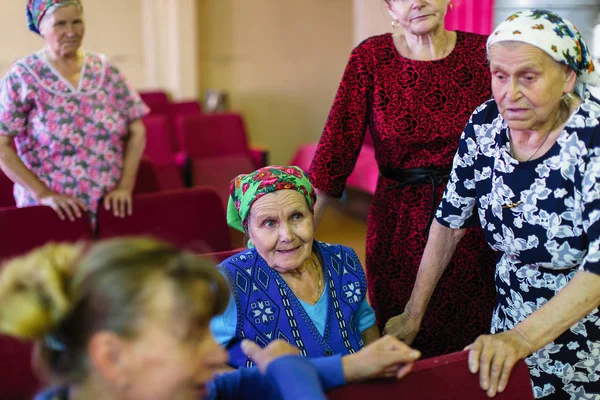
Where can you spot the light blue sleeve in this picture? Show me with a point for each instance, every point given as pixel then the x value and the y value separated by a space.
pixel 223 326
pixel 366 316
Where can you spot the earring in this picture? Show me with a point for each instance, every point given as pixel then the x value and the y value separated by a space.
pixel 395 24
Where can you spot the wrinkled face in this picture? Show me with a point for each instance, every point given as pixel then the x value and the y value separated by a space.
pixel 63 30
pixel 528 85
pixel 172 357
pixel 419 17
pixel 281 229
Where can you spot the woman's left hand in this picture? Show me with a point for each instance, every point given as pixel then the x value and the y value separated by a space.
pixel 494 357
pixel 263 357
pixel 120 201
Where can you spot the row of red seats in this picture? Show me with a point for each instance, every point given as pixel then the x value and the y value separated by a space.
pixel 192 218
pixel 189 148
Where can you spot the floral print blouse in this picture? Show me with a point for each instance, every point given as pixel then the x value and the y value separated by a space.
pixel 72 139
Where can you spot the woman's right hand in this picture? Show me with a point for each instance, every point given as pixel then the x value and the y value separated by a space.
pixel 65 206
pixel 403 327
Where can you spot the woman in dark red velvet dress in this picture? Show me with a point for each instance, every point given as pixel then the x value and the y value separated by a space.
pixel 414 91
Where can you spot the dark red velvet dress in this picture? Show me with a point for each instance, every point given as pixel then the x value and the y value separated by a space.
pixel 416 111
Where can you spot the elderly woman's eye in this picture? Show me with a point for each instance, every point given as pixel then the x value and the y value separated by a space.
pixel 297 216
pixel 268 223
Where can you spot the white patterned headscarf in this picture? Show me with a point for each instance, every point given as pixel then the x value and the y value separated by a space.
pixel 556 36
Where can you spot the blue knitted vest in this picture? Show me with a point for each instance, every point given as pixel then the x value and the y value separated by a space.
pixel 268 310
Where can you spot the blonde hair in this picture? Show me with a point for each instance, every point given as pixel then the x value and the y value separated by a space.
pixel 61 294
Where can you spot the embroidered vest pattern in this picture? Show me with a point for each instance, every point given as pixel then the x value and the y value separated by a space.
pixel 268 310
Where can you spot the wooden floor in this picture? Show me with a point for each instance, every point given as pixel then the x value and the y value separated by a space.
pixel 339 227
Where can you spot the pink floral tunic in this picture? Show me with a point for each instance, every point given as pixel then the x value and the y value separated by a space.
pixel 72 139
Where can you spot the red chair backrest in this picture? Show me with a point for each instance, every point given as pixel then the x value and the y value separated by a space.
pixel 6 191
pixel 159 139
pixel 211 135
pixel 158 101
pixel 217 172
pixel 17 379
pixel 146 180
pixel 186 108
pixel 23 229
pixel 193 219
pixel 445 377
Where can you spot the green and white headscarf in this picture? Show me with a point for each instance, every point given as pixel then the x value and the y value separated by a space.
pixel 245 189
pixel 556 36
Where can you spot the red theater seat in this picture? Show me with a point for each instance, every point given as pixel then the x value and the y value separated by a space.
pixel 6 191
pixel 446 377
pixel 23 229
pixel 17 380
pixel 193 219
pixel 216 135
pixel 158 101
pixel 185 108
pixel 146 180
pixel 167 164
pixel 218 149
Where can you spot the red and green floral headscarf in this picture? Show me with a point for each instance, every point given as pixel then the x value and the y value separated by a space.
pixel 36 9
pixel 245 189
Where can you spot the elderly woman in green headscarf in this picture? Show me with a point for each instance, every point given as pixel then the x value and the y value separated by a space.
pixel 288 285
pixel 74 118
pixel 527 171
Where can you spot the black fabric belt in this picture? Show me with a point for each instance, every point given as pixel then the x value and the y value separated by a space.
pixel 418 176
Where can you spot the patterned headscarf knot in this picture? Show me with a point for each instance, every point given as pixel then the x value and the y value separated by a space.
pixel 245 189
pixel 556 36
pixel 36 9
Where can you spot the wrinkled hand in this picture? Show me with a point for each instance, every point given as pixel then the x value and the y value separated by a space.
pixel 65 206
pixel 403 327
pixel 384 358
pixel 120 201
pixel 494 357
pixel 263 357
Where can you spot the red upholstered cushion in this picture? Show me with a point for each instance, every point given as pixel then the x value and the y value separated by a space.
pixel 186 108
pixel 158 101
pixel 212 135
pixel 6 191
pixel 217 172
pixel 23 229
pixel 17 380
pixel 146 180
pixel 193 219
pixel 160 143
pixel 445 377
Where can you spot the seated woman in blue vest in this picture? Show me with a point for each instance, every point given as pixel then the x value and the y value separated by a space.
pixel 287 285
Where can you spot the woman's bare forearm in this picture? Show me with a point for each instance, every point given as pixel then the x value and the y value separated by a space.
pixel 16 171
pixel 133 154
pixel 440 247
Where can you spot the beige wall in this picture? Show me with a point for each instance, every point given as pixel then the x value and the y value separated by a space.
pixel 371 17
pixel 281 62
pixel 113 27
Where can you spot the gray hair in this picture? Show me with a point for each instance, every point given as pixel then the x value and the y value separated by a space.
pixel 52 9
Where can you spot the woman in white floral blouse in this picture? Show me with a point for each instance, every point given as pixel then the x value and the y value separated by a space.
pixel 528 171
